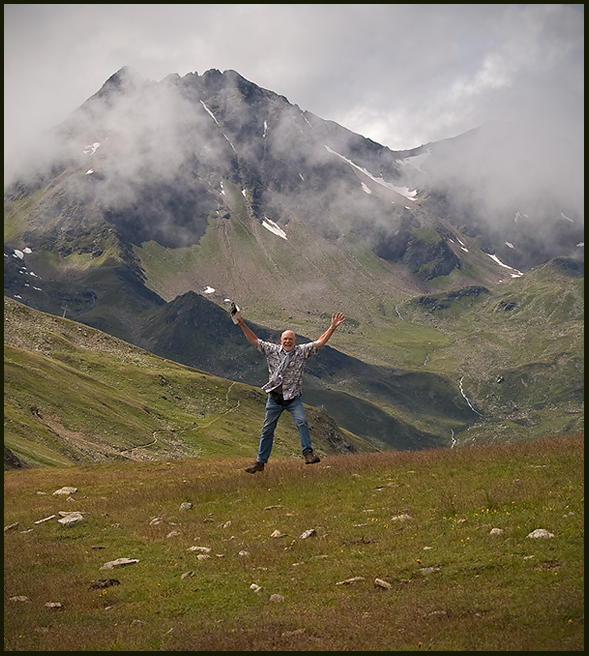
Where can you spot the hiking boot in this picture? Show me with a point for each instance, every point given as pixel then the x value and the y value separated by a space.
pixel 256 467
pixel 311 458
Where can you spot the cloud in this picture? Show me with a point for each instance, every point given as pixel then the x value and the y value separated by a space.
pixel 402 75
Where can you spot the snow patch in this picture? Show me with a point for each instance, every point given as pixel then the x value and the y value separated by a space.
pixel 564 216
pixel 89 171
pixel 509 244
pixel 517 273
pixel 366 189
pixel 273 227
pixel 403 191
pixel 209 290
pixel 90 149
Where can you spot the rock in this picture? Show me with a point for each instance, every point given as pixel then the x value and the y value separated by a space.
pixel 243 553
pixel 21 598
pixel 289 634
pixel 496 531
pixel 227 524
pixel 379 583
pixel 540 533
pixel 308 534
pixel 54 605
pixel 202 556
pixel 65 490
pixel 11 527
pixel 202 549
pixel 401 518
pixel 155 521
pixel 276 598
pixel 187 575
pixel 103 583
pixel 45 519
pixel 428 570
pixel 186 505
pixel 355 579
pixel 119 562
pixel 277 534
pixel 256 588
pixel 71 519
pixel 173 534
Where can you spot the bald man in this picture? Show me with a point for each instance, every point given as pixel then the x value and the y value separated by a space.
pixel 285 366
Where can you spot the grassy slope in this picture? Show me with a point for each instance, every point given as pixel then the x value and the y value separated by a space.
pixel 74 394
pixel 485 593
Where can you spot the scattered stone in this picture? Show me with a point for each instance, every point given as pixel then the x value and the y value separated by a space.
pixel 45 519
pixel 290 634
pixel 277 534
pixel 308 534
pixel 355 579
pixel 276 598
pixel 256 588
pixel 173 534
pixel 203 549
pixel 54 605
pixel 379 583
pixel 496 531
pixel 11 527
pixel 187 575
pixel 136 623
pixel 273 507
pixel 438 613
pixel 243 553
pixel 21 598
pixel 428 570
pixel 65 490
pixel 119 562
pixel 227 524
pixel 155 521
pixel 71 519
pixel 401 518
pixel 103 583
pixel 540 533
pixel 186 505
pixel 202 556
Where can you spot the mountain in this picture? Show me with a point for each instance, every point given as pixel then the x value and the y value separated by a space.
pixel 152 203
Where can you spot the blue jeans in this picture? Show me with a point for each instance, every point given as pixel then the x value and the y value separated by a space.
pixel 273 412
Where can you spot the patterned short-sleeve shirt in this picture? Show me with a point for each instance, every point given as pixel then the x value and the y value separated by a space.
pixel 292 378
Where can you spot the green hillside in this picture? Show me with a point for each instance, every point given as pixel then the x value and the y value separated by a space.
pixel 73 394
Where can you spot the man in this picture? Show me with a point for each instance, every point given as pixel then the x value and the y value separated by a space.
pixel 285 365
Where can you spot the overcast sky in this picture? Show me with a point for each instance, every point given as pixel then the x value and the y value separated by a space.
pixel 402 75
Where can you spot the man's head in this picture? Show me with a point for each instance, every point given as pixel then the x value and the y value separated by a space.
pixel 287 340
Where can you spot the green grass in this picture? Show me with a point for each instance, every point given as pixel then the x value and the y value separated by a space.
pixel 486 593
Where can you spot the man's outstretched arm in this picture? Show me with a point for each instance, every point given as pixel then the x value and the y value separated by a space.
pixel 336 320
pixel 248 332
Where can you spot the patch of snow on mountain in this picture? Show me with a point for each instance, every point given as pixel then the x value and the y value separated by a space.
pixel 403 191
pixel 209 290
pixel 265 129
pixel 90 149
pixel 366 189
pixel 509 244
pixel 89 171
pixel 517 273
pixel 273 227
pixel 564 216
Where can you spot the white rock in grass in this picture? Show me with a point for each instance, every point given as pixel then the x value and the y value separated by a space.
pixel 308 534
pixel 71 519
pixel 540 533
pixel 256 588
pixel 276 598
pixel 54 605
pixel 354 579
pixel 496 531
pixel 401 518
pixel 379 583
pixel 65 490
pixel 203 549
pixel 277 534
pixel 119 562
pixel 186 505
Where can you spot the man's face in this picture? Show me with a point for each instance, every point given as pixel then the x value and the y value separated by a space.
pixel 287 340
